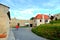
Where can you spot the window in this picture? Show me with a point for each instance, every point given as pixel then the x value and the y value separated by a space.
pixel 40 20
pixel 9 15
pixel 46 20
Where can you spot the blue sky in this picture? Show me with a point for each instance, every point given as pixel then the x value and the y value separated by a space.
pixel 25 9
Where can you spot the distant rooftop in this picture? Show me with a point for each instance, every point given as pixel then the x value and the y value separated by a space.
pixel 4 5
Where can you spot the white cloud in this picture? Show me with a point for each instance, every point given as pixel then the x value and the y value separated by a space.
pixel 10 3
pixel 42 13
pixel 52 4
pixel 29 11
pixel 48 4
pixel 26 14
pixel 23 14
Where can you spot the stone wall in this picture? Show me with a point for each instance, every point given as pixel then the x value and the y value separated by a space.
pixel 21 22
pixel 4 22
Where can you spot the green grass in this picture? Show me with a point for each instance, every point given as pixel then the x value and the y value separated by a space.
pixel 50 31
pixel 55 22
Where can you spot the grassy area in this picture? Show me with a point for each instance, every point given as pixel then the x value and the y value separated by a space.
pixel 55 22
pixel 50 31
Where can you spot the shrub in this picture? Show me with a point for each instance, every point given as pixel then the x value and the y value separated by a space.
pixel 50 31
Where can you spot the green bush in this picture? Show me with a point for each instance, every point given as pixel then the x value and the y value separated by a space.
pixel 55 21
pixel 50 31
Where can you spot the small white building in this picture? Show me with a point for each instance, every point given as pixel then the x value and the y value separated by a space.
pixel 57 16
pixel 41 19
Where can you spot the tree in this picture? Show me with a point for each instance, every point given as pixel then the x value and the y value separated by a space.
pixel 32 18
pixel 52 17
pixel 56 18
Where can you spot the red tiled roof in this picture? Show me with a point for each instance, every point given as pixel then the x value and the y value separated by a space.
pixel 46 17
pixel 40 16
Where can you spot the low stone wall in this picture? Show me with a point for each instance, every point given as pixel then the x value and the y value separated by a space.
pixel 21 22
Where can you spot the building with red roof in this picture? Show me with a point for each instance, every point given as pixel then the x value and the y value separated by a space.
pixel 40 16
pixel 41 19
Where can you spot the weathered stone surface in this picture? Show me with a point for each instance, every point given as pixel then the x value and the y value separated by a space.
pixel 4 21
pixel 21 22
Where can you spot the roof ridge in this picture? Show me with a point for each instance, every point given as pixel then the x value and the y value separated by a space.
pixel 4 5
